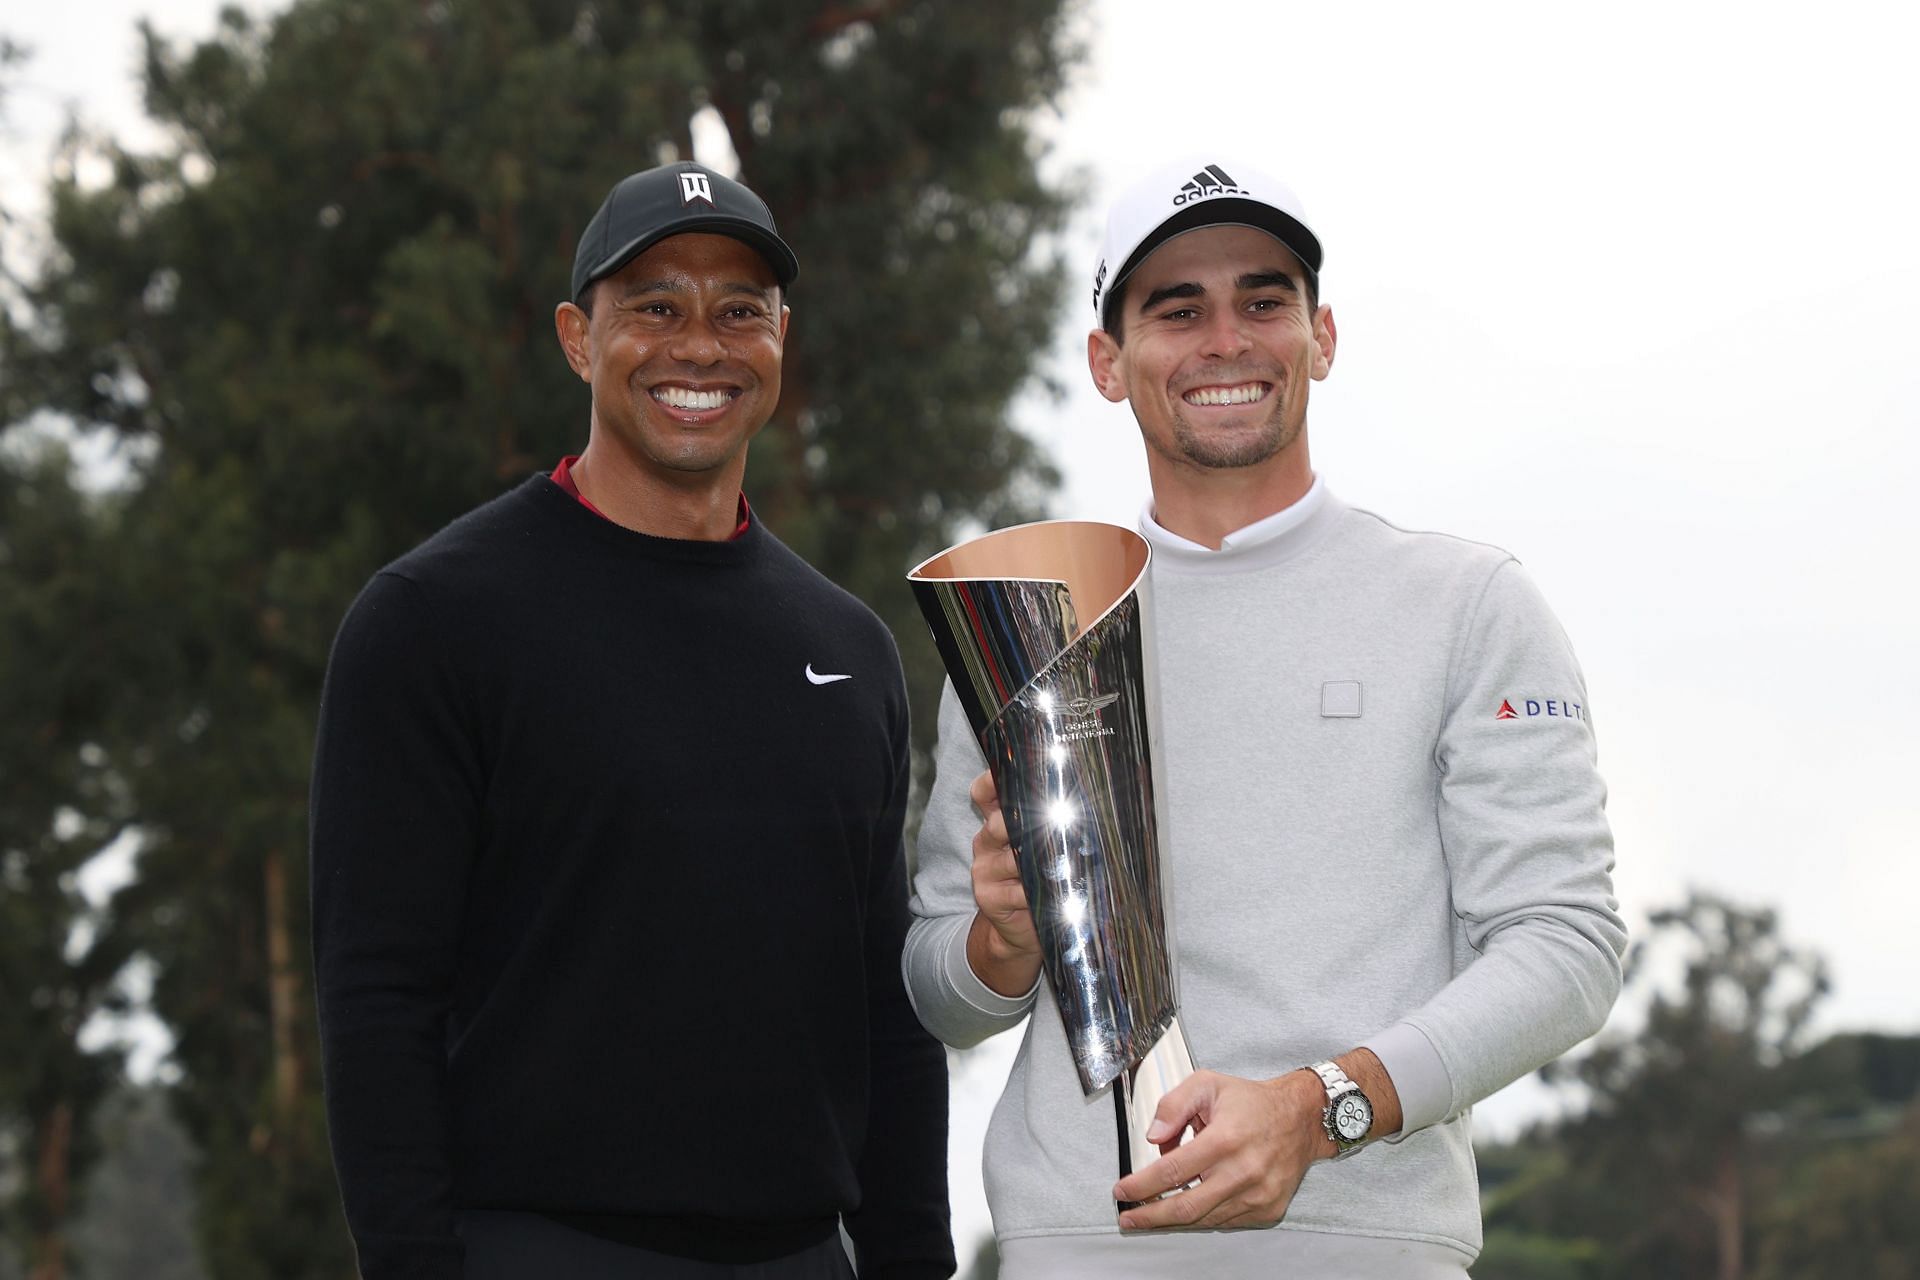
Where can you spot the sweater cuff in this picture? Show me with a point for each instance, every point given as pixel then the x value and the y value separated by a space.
pixel 1418 1075
pixel 967 985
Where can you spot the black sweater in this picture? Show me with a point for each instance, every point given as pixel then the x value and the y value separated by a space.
pixel 609 900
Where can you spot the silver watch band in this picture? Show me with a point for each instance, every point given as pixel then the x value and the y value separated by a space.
pixel 1338 1082
pixel 1338 1085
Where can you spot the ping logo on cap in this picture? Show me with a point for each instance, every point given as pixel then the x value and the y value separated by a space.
pixel 1099 278
pixel 1210 181
pixel 695 186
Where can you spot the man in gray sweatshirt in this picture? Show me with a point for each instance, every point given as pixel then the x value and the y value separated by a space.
pixel 1390 865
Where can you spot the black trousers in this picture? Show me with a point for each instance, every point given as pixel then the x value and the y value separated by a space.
pixel 526 1246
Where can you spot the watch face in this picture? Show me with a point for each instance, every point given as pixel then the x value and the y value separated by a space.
pixel 1352 1117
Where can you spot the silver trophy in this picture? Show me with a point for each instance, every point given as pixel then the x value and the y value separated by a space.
pixel 1064 711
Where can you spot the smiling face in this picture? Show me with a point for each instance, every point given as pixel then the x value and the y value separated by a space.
pixel 682 350
pixel 1220 346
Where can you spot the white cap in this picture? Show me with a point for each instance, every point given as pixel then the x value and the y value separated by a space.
pixel 1183 196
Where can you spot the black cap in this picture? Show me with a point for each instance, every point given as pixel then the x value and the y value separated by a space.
pixel 647 207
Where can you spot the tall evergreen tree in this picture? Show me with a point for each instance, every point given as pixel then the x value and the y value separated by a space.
pixel 59 954
pixel 1668 1164
pixel 320 322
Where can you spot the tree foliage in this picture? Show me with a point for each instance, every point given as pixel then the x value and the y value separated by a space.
pixel 1849 1212
pixel 1714 1140
pixel 1674 1106
pixel 317 326
pixel 59 955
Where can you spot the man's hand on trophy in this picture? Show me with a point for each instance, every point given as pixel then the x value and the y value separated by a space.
pixel 1252 1143
pixel 1002 948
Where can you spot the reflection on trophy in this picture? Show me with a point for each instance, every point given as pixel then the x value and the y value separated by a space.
pixel 1064 713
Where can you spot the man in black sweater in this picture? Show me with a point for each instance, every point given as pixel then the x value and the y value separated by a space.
pixel 607 875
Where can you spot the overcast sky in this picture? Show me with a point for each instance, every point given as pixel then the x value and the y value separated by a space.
pixel 1627 289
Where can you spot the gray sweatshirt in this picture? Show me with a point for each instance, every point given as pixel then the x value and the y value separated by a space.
pixel 1385 829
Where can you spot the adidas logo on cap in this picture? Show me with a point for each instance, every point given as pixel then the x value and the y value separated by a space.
pixel 1140 220
pixel 1210 181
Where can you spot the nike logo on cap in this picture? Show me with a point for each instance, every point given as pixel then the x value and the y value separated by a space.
pixel 814 677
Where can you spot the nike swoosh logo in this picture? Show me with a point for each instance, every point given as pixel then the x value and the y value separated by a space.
pixel 814 677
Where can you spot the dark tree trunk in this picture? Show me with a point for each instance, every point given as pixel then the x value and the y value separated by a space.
pixel 52 1165
pixel 283 995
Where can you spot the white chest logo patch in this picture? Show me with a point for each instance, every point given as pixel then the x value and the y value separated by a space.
pixel 814 677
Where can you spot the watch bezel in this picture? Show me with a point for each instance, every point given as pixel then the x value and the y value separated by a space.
pixel 1355 1096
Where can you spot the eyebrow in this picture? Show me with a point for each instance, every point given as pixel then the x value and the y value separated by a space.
pixel 639 287
pixel 1251 280
pixel 1158 296
pixel 1267 280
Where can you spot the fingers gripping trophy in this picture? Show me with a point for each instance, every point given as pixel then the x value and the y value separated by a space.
pixel 1045 632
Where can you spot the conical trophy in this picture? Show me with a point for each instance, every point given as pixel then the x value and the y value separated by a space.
pixel 1044 629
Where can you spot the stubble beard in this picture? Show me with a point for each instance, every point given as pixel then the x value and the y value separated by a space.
pixel 1217 453
pixel 654 438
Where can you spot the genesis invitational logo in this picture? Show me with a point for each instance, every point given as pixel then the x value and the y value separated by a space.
pixel 1079 718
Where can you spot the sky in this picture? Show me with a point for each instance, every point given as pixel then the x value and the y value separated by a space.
pixel 1626 289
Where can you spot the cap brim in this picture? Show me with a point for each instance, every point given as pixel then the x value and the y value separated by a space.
pixel 786 267
pixel 1228 211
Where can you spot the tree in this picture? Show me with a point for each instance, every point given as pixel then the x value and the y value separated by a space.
pixel 1850 1212
pixel 1680 1107
pixel 59 803
pixel 12 57
pixel 60 955
pixel 320 334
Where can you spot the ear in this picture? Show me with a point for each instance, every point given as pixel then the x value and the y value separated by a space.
pixel 1103 362
pixel 1325 338
pixel 786 314
pixel 573 327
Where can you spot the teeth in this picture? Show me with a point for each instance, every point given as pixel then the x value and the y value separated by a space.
pixel 1245 393
pixel 687 398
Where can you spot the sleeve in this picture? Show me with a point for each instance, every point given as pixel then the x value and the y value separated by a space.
pixel 902 1229
pixel 1523 826
pixel 394 822
pixel 952 1002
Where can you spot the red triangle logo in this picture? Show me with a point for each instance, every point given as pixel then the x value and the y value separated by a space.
pixel 1506 711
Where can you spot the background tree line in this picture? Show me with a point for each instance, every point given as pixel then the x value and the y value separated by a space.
pixel 311 328
pixel 1711 1137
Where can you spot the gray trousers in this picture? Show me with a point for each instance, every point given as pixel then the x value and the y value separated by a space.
pixel 526 1246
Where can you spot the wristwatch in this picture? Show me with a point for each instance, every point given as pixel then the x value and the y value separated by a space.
pixel 1348 1118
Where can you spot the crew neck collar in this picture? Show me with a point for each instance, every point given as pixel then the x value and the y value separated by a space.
pixel 540 487
pixel 1267 540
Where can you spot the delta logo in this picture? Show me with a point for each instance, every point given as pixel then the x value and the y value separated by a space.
pixel 1540 708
